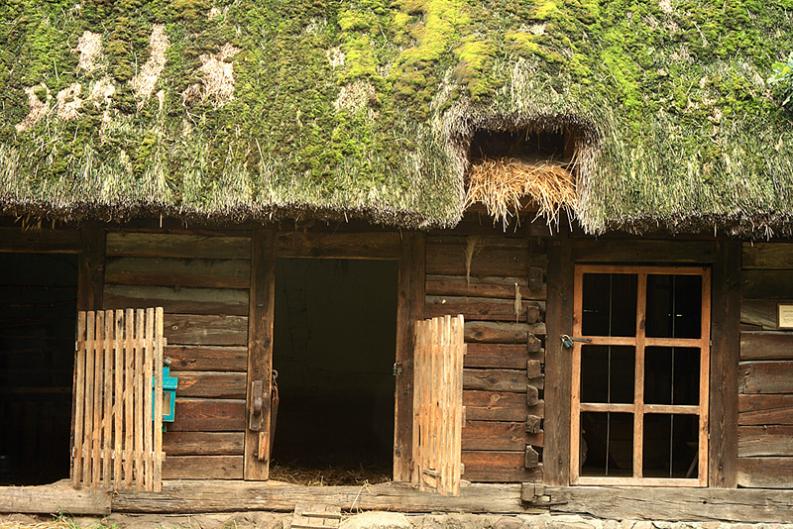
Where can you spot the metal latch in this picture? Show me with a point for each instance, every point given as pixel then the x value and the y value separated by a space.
pixel 567 340
pixel 257 405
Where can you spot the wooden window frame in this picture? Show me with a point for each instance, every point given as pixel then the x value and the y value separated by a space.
pixel 639 408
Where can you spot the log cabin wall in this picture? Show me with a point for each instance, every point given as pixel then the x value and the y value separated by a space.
pixel 765 375
pixel 478 276
pixel 202 281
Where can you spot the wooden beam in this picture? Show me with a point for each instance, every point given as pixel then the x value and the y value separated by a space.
pixel 185 496
pixel 766 377
pixel 558 366
pixel 726 315
pixel 766 345
pixel 183 245
pixel 17 240
pixel 410 308
pixel 770 472
pixel 91 267
pixel 56 498
pixel 643 251
pixel 674 503
pixel 260 351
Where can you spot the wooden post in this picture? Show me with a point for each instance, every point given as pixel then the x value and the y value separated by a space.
pixel 725 353
pixel 91 267
pixel 260 351
pixel 410 308
pixel 558 366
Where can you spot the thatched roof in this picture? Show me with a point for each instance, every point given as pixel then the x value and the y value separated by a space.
pixel 248 108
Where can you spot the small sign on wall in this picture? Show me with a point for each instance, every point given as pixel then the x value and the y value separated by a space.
pixel 785 316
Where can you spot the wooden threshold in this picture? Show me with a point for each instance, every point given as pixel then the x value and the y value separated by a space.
pixel 56 498
pixel 187 496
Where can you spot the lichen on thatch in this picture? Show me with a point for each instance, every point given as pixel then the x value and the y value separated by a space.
pixel 502 185
pixel 364 108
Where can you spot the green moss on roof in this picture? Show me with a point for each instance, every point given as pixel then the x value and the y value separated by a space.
pixel 365 107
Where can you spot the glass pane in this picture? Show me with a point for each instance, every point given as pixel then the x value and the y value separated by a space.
pixel 607 373
pixel 671 375
pixel 670 446
pixel 609 305
pixel 674 306
pixel 606 444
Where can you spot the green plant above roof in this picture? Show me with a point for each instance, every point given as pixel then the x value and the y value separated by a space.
pixel 249 109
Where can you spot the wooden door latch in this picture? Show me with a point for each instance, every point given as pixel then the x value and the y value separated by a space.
pixel 255 415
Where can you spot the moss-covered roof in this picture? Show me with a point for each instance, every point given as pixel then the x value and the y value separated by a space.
pixel 248 108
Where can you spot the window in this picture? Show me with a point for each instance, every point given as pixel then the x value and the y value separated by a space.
pixel 640 375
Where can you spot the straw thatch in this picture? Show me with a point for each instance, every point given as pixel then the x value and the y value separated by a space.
pixel 503 184
pixel 250 110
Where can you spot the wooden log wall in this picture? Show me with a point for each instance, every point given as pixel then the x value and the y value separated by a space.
pixel 202 282
pixel 497 283
pixel 765 374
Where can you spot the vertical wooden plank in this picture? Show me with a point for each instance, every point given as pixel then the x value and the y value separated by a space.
pixel 89 397
pixel 556 454
pixel 129 395
pixel 410 309
pixel 726 315
pixel 418 395
pixel 575 368
pixel 107 407
pixel 704 382
pixel 260 349
pixel 79 397
pixel 638 385
pixel 138 381
pixel 91 267
pixel 99 365
pixel 118 396
pixel 148 439
pixel 159 343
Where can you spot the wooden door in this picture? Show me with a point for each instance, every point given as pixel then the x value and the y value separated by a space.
pixel 438 404
pixel 260 356
pixel 117 419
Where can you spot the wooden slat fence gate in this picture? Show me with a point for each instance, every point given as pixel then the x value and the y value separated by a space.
pixel 438 404
pixel 117 419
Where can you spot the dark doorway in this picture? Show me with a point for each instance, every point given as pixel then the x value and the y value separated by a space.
pixel 38 304
pixel 334 350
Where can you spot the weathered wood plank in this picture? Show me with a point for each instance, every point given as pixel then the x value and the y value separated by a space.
pixel 207 358
pixel 501 332
pixel 215 384
pixel 505 356
pixel 495 380
pixel 39 241
pixel 674 503
pixel 202 467
pixel 206 301
pixel 323 245
pixel 643 251
pixel 487 260
pixel 766 345
pixel 56 498
pixel 498 466
pixel 765 409
pixel 208 415
pixel 141 244
pixel 203 443
pixel 765 377
pixel 492 435
pixel 171 272
pixel 488 286
pixel 767 284
pixel 91 267
pixel 198 329
pixel 771 255
pixel 765 472
pixel 760 441
pixel 188 496
pixel 495 406
pixel 484 309
pixel 725 345
pixel 759 312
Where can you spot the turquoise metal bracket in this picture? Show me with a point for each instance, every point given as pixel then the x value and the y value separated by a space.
pixel 169 384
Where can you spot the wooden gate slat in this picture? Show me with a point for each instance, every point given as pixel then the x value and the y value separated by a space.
pixel 118 366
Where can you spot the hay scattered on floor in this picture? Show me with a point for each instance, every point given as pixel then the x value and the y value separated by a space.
pixel 57 523
pixel 502 184
pixel 327 476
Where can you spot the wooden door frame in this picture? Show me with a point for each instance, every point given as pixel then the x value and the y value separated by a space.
pixel 408 250
pixel 723 255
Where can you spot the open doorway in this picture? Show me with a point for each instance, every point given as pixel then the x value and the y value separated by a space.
pixel 38 304
pixel 334 351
